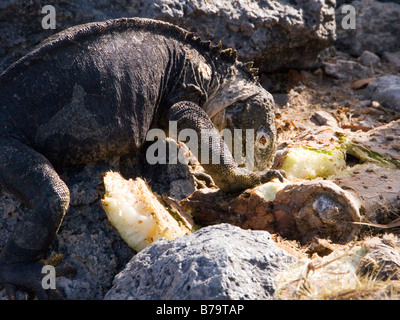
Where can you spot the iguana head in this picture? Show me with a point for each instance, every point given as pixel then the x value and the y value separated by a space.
pixel 240 102
pixel 234 99
pixel 256 118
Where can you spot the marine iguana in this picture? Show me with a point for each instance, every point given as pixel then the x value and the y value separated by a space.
pixel 92 92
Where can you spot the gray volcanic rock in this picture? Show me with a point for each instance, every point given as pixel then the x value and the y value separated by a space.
pixel 346 70
pixel 216 262
pixel 385 90
pixel 274 34
pixel 377 28
pixel 86 238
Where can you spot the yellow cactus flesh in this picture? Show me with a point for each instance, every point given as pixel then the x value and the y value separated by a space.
pixel 136 213
pixel 310 163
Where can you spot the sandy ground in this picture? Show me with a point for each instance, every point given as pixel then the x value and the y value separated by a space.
pixel 300 94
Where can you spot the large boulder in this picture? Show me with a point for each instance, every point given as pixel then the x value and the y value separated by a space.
pixel 377 28
pixel 217 262
pixel 274 34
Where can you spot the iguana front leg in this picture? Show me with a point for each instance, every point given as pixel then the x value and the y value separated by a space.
pixel 31 177
pixel 220 165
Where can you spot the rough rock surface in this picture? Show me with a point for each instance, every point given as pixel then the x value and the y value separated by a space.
pixel 393 58
pixel 86 238
pixel 369 59
pixel 216 262
pixel 272 33
pixel 377 28
pixel 385 90
pixel 345 70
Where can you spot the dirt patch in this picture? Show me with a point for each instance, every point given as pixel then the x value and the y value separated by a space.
pixel 302 94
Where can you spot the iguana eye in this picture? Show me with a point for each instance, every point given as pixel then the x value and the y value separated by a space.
pixel 262 139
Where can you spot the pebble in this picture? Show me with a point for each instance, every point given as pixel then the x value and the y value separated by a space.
pixel 369 59
pixel 393 58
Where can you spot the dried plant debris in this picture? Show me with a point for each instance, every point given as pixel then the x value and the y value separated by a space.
pixel 381 145
pixel 362 270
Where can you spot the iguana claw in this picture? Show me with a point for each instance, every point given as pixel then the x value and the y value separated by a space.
pixel 29 277
pixel 268 175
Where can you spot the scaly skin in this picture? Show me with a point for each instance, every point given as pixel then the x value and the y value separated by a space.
pixel 225 172
pixel 93 92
